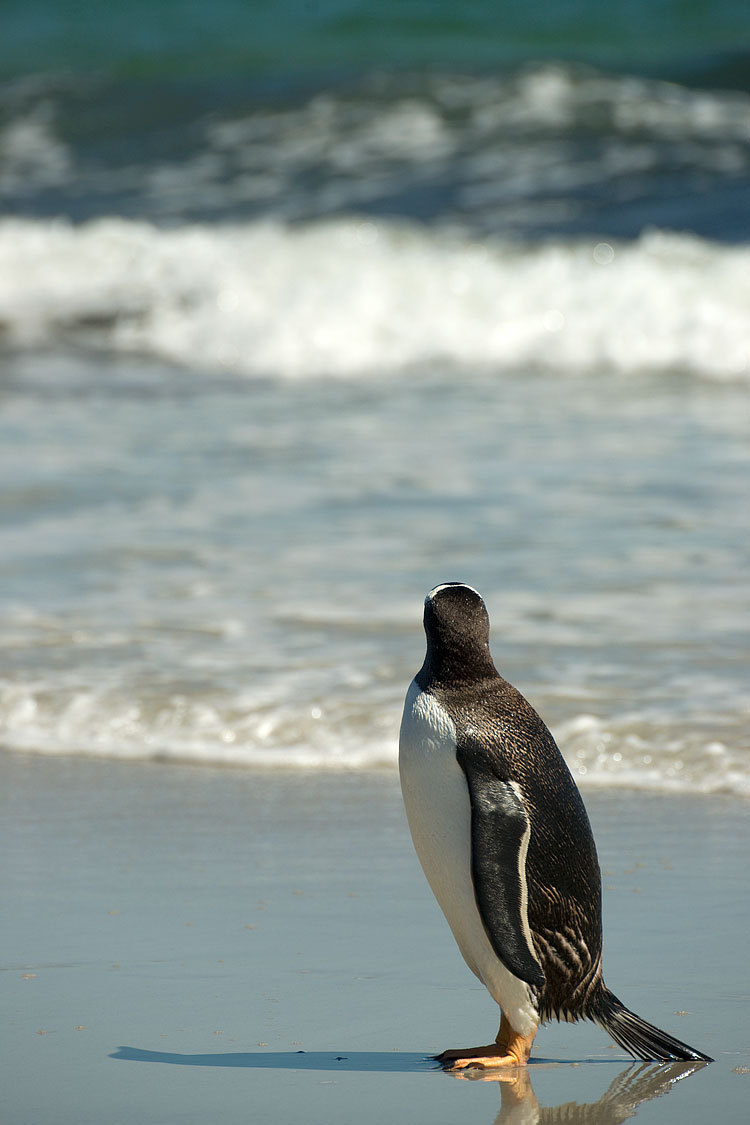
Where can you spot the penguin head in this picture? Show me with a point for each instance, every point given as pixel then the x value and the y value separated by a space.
pixel 458 633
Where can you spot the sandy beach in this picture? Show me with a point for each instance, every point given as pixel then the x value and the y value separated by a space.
pixel 192 944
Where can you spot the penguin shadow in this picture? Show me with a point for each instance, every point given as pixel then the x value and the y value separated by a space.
pixel 386 1062
pixel 635 1084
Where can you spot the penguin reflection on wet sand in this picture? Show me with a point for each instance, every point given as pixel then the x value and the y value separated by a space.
pixel 504 840
pixel 625 1093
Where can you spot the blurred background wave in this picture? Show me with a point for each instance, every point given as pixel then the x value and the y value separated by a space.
pixel 305 307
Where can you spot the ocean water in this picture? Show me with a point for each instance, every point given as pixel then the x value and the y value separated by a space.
pixel 294 326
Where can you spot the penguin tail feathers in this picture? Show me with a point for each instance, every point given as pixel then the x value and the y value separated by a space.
pixel 639 1038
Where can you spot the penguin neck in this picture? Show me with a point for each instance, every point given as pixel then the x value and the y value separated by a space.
pixel 455 667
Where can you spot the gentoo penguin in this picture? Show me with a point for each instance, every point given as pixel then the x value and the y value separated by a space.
pixel 504 840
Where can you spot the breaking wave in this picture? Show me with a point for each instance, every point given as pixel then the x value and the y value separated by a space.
pixel 354 297
pixel 245 732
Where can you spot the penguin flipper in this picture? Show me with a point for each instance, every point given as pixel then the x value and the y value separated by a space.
pixel 500 830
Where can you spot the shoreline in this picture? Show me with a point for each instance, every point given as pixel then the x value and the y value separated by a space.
pixel 377 767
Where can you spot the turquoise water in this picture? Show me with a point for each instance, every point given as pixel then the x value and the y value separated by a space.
pixel 307 308
pixel 297 38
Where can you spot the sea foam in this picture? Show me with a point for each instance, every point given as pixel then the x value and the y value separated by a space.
pixel 353 297
pixel 106 722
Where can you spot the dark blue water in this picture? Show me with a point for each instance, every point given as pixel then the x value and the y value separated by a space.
pixel 535 120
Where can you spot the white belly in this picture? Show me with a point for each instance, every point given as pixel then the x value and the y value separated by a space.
pixel 438 808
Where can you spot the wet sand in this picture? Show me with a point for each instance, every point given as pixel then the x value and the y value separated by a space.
pixel 195 944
